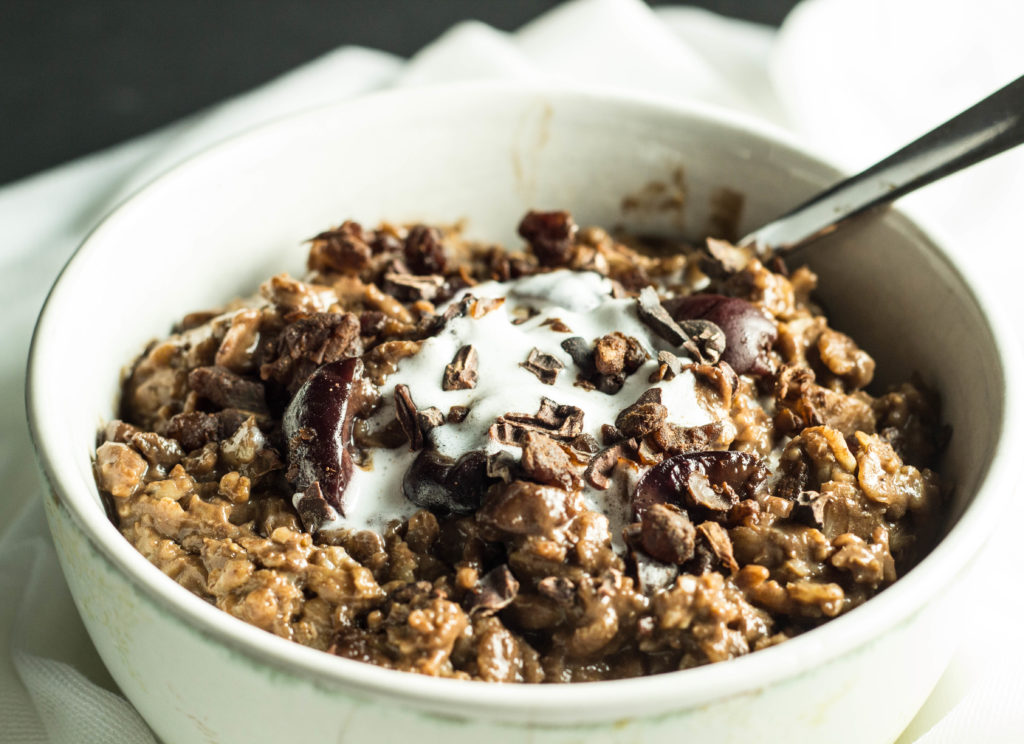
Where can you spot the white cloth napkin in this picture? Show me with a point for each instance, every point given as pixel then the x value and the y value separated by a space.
pixel 854 78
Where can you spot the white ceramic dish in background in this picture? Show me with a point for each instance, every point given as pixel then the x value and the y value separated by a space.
pixel 217 225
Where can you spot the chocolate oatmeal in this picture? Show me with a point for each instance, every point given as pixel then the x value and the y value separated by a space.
pixel 592 458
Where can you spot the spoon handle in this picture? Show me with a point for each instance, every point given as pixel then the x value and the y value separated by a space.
pixel 986 129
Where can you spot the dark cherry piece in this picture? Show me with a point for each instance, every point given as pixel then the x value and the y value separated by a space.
pixel 447 486
pixel 669 481
pixel 749 333
pixel 318 427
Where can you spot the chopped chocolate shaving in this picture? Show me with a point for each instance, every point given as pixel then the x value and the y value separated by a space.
pixel 562 422
pixel 461 374
pixel 406 412
pixel 551 235
pixel 599 469
pixel 544 366
pixel 494 591
pixel 457 414
pixel 313 508
pixel 546 462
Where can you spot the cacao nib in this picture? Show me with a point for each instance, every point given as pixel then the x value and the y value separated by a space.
pixel 544 366
pixel 461 374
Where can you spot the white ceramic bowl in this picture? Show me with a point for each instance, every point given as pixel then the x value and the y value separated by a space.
pixel 215 226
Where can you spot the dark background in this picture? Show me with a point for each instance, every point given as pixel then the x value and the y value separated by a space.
pixel 78 76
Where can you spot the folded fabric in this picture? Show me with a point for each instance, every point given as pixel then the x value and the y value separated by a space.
pixel 854 78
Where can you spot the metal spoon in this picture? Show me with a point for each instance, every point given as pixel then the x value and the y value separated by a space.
pixel 986 129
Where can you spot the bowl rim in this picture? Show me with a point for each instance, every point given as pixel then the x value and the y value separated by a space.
pixel 597 701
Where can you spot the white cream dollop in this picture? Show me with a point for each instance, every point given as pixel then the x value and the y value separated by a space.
pixel 580 300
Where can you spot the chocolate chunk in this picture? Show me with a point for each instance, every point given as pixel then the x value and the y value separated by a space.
pixel 457 414
pixel 644 416
pixel 544 366
pixel 494 591
pixel 667 534
pixel 546 462
pixel 551 235
pixel 562 422
pixel 407 414
pixel 424 252
pixel 226 389
pixel 313 508
pixel 461 374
